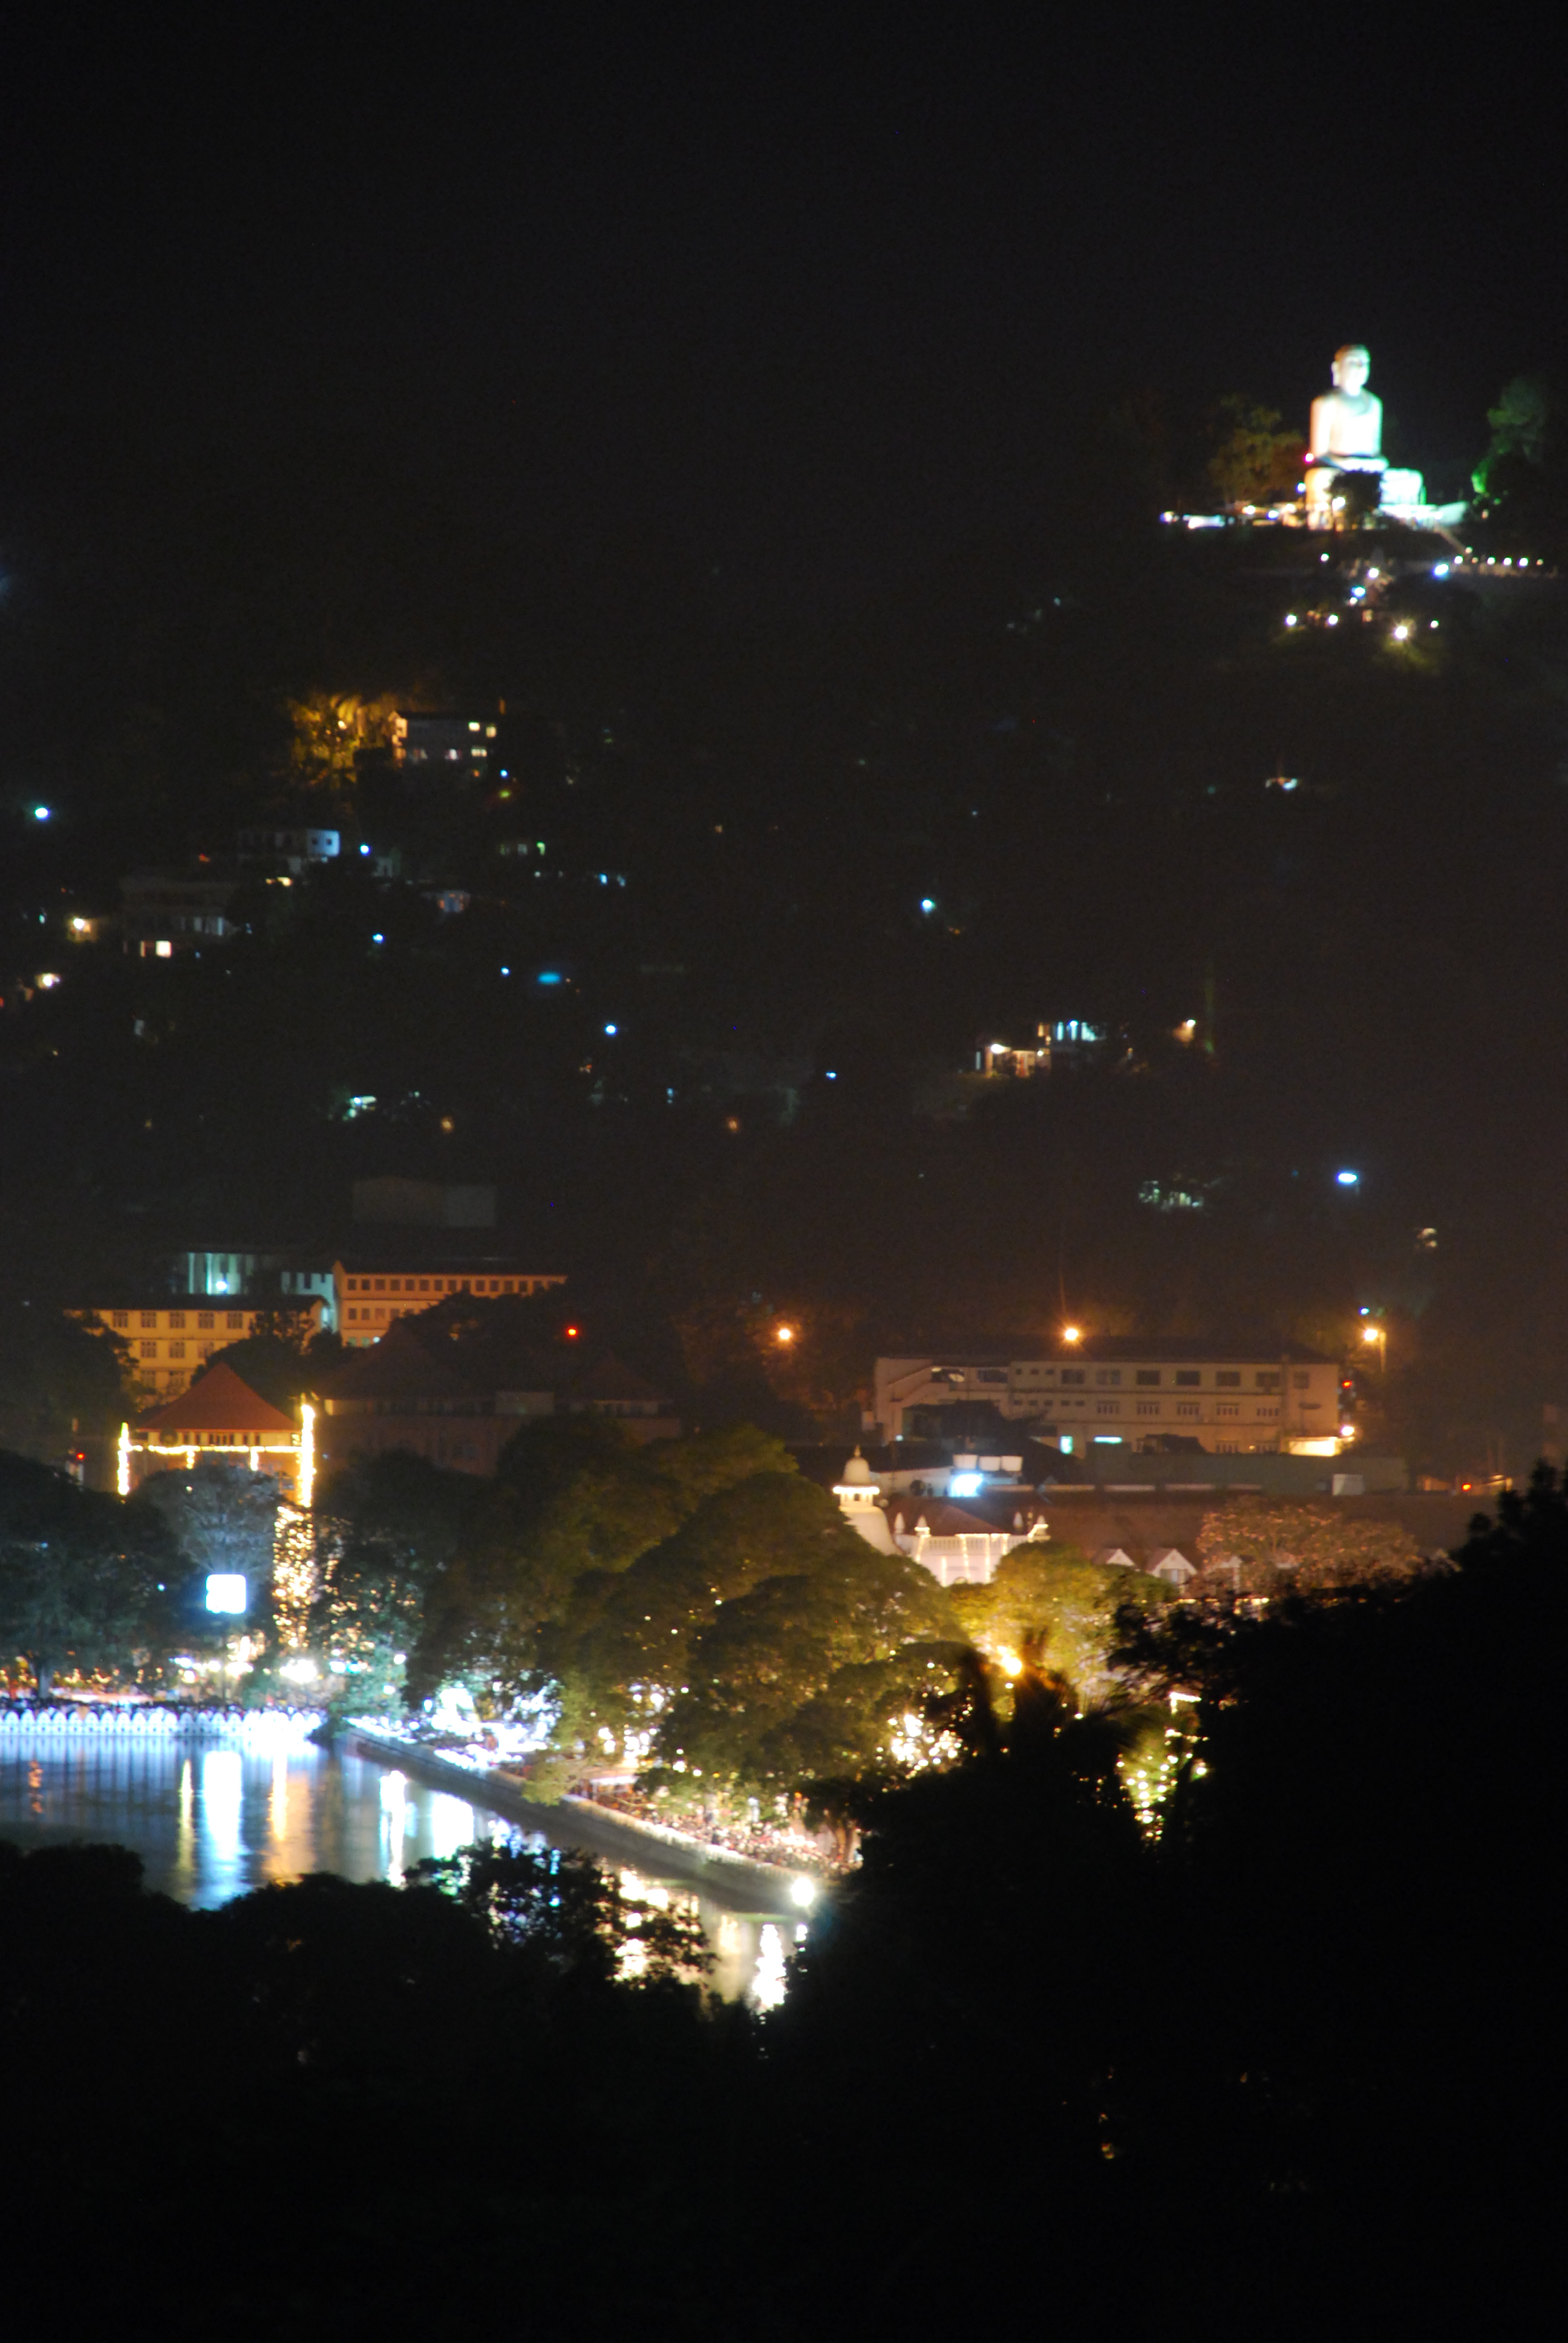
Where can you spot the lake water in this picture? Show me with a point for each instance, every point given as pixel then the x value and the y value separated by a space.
pixel 213 1820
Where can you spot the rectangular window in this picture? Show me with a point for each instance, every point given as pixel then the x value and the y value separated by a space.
pixel 235 1320
pixel 1147 1407
pixel 1147 1375
pixel 150 1317
pixel 1108 1407
pixel 1228 1407
pixel 1188 1378
pixel 354 1313
pixel 1186 1407
pixel 1267 1379
pixel 1268 1410
pixel 149 1349
pixel 1228 1447
pixel 176 1350
pixel 1108 1374
pixel 424 1285
pixel 381 1285
pixel 205 1318
pixel 207 1349
pixel 122 1317
pixel 1227 1379
pixel 1072 1375
pixel 177 1318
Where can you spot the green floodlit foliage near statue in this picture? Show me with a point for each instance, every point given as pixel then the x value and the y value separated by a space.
pixel 1255 460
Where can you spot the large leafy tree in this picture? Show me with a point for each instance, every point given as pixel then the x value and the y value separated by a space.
pixel 1254 459
pixel 219 1514
pixel 81 1574
pixel 385 1528
pixel 751 1715
pixel 573 1495
pixel 1049 1604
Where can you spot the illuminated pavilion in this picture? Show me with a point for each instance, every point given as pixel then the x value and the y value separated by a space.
pixel 219 1416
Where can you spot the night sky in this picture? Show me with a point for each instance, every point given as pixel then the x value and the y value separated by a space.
pixel 798 296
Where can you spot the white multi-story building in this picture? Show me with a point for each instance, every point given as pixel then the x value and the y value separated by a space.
pixel 1113 1391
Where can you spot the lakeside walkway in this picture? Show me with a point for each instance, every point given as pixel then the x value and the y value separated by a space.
pixel 733 1880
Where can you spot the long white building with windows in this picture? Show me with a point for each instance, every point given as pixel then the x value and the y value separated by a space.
pixel 1115 1391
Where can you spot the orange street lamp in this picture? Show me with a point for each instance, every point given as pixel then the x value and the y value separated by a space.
pixel 1072 1333
pixel 785 1334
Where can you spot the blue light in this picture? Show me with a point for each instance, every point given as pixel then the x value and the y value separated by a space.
pixel 928 902
pixel 40 813
pixel 830 1078
pixel 612 1029
pixel 365 849
pixel 965 1484
pixel 1348 1179
pixel 377 939
pixel 506 972
pixel 550 976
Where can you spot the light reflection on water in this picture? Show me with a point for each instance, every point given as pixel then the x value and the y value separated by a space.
pixel 212 1823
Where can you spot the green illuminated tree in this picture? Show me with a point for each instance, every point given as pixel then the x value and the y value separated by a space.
pixel 1050 1605
pixel 573 1496
pixel 750 1715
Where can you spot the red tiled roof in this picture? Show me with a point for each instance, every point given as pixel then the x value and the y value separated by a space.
pixel 218 1402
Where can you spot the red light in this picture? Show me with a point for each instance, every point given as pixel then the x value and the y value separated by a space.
pixel 571 1334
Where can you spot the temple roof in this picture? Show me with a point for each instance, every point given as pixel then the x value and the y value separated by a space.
pixel 218 1401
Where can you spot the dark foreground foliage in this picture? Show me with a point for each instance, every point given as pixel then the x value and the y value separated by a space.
pixel 1289 2072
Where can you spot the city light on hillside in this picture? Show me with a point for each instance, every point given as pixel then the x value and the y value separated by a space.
pixel 784 1336
pixel 1072 1333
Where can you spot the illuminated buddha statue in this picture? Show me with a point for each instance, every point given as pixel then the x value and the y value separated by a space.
pixel 1346 433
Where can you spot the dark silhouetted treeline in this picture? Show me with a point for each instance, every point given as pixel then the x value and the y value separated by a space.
pixel 1287 2071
